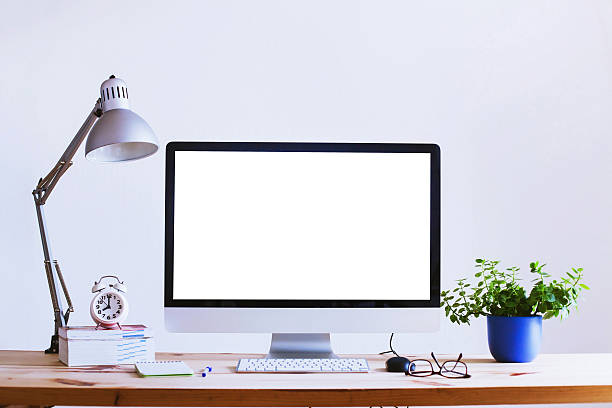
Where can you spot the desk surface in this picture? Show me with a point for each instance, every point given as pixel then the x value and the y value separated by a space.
pixel 33 378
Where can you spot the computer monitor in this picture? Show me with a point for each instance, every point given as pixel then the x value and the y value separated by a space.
pixel 302 239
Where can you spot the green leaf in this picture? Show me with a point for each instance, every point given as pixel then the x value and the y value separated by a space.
pixel 583 286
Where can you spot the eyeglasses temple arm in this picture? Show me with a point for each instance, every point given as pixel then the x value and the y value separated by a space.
pixel 458 360
pixel 436 360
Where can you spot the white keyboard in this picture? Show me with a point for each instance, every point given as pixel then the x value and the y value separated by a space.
pixel 302 365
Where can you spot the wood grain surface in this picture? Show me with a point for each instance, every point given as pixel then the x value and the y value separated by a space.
pixel 33 378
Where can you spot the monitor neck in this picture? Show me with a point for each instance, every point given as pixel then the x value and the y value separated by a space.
pixel 301 345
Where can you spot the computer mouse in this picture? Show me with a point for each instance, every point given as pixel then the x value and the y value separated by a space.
pixel 397 364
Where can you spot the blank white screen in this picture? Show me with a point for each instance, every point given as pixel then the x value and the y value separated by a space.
pixel 301 225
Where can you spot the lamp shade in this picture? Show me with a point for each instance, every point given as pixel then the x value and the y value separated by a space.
pixel 120 134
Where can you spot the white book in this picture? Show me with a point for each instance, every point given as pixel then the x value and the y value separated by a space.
pixel 121 347
pixel 93 332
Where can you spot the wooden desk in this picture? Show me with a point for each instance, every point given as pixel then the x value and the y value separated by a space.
pixel 32 378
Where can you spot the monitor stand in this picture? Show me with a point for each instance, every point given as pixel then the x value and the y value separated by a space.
pixel 301 345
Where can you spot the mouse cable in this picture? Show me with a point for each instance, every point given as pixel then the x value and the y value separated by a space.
pixel 391 349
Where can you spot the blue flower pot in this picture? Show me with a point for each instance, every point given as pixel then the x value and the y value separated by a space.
pixel 514 339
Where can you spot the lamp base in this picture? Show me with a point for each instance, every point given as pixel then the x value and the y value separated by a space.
pixel 54 347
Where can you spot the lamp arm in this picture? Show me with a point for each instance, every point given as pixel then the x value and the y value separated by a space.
pixel 46 184
pixel 44 187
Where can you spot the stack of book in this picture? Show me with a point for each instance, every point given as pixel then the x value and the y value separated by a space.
pixel 86 345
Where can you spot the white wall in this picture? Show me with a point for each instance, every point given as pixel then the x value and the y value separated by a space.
pixel 517 93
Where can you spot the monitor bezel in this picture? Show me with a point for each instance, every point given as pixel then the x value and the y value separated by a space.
pixel 434 277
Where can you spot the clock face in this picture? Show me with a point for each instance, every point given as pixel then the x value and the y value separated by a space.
pixel 108 308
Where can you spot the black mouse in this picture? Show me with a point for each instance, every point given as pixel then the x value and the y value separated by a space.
pixel 397 364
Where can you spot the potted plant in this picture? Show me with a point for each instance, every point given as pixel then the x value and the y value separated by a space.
pixel 514 318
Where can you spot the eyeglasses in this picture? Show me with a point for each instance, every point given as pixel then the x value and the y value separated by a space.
pixel 448 369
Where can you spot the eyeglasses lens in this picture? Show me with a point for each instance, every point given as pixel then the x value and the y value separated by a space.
pixel 420 368
pixel 454 369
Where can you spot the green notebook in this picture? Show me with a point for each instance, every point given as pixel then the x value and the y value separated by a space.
pixel 157 368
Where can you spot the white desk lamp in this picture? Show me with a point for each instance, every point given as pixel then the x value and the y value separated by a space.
pixel 118 134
